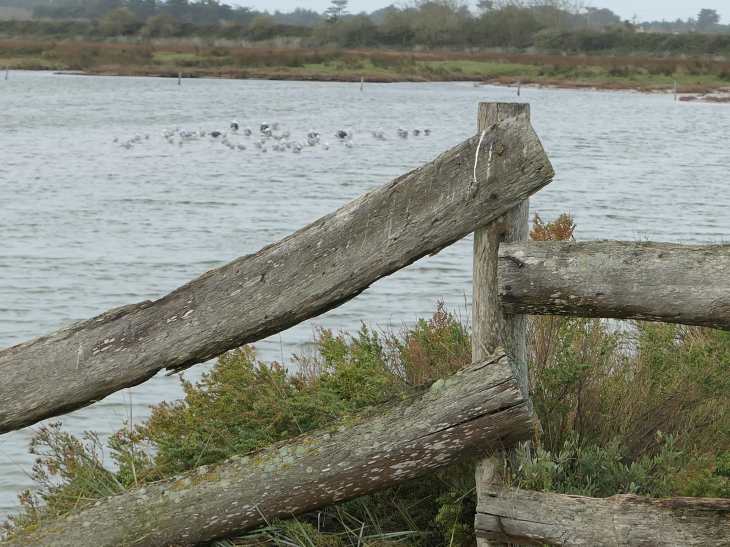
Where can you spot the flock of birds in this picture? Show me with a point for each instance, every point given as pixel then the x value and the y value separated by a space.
pixel 268 135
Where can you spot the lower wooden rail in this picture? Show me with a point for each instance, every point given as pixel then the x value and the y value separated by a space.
pixel 479 409
pixel 522 517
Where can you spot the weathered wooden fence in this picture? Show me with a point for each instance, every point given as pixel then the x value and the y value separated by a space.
pixel 308 273
pixel 479 186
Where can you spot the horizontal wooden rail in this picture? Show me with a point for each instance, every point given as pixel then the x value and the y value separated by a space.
pixel 479 409
pixel 534 518
pixel 649 281
pixel 304 275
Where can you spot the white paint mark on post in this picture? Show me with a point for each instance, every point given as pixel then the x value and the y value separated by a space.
pixel 476 156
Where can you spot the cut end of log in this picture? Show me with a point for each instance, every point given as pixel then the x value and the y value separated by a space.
pixel 523 517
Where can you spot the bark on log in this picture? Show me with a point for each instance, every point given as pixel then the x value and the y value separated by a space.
pixel 479 409
pixel 664 282
pixel 534 518
pixel 306 274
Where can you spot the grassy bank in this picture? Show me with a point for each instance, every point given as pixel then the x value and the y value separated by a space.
pixel 692 76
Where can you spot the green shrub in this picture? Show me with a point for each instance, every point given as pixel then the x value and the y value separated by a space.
pixel 589 469
pixel 625 407
pixel 68 473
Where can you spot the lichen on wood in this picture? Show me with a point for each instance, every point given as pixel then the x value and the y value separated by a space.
pixel 539 518
pixel 481 408
pixel 667 282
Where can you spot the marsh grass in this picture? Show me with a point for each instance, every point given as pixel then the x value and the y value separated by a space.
pixel 625 407
pixel 374 65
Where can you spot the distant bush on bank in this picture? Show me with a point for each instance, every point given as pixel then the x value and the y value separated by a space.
pixel 433 26
pixel 160 26
pixel 618 41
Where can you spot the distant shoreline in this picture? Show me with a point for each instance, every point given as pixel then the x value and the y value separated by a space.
pixel 719 95
pixel 691 77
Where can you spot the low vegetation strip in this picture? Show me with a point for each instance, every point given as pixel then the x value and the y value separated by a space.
pixel 373 65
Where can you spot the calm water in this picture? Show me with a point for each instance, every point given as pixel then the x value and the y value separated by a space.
pixel 86 225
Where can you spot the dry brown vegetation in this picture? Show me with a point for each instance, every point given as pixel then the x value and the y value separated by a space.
pixel 695 75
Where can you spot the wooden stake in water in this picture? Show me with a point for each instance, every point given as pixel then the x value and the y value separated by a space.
pixel 362 81
pixel 675 90
pixel 179 76
pixel 7 69
pixel 518 88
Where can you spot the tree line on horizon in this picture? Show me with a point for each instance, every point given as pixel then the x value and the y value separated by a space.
pixel 548 25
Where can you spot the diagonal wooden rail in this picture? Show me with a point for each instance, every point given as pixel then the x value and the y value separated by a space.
pixel 304 275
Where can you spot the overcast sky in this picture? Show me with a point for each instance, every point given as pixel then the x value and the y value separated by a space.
pixel 645 10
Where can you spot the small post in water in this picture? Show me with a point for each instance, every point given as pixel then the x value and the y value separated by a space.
pixel 675 90
pixel 179 76
pixel 362 81
pixel 7 69
pixel 518 88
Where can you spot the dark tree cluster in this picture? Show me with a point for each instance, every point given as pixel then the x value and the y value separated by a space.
pixel 554 26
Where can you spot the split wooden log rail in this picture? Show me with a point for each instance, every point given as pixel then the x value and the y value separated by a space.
pixel 304 275
pixel 479 409
pixel 534 518
pixel 671 283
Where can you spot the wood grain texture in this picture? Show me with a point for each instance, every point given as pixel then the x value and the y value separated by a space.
pixel 625 280
pixel 490 326
pixel 304 275
pixel 477 410
pixel 534 518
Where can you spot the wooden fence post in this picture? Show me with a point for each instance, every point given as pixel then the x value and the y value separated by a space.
pixel 490 328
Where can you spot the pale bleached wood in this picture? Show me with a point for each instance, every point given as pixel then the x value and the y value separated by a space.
pixel 490 327
pixel 473 412
pixel 306 274
pixel 534 518
pixel 672 283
